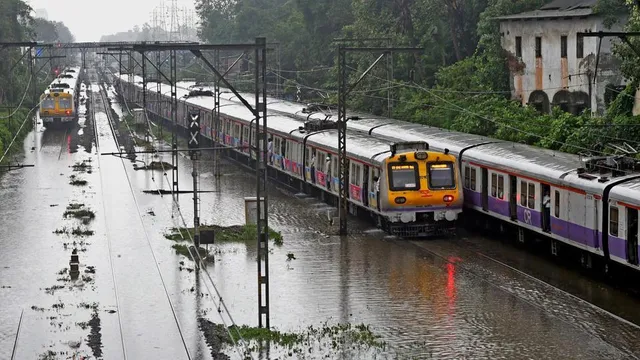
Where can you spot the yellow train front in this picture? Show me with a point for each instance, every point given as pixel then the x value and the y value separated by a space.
pixel 57 106
pixel 420 192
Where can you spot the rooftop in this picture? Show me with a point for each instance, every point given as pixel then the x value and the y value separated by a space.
pixel 556 9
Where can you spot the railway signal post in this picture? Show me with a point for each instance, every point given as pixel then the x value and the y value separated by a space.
pixel 194 145
pixel 343 92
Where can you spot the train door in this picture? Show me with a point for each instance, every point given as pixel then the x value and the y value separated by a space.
pixel 485 189
pixel 513 197
pixel 365 185
pixel 632 236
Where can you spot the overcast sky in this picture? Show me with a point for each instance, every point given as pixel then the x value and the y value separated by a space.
pixel 88 20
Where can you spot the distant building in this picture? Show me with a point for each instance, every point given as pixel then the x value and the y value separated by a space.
pixel 42 13
pixel 550 67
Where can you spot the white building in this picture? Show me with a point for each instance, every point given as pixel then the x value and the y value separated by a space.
pixel 550 66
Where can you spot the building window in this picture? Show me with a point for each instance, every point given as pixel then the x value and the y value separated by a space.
pixel 613 221
pixel 518 46
pixel 580 47
pixel 563 46
pixel 557 204
pixel 538 47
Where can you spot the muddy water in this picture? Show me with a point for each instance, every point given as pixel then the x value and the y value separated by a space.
pixel 426 299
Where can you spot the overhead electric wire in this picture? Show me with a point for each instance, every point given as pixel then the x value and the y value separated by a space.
pixel 18 132
pixel 197 254
pixel 21 101
pixel 104 207
pixel 144 229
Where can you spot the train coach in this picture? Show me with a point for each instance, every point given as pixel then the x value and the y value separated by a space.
pixel 59 102
pixel 420 192
pixel 593 202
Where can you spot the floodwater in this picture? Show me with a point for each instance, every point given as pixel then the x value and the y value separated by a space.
pixel 426 299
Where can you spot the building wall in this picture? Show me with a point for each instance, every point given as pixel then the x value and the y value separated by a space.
pixel 553 76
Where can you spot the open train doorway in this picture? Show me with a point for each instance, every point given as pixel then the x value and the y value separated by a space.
pixel 513 197
pixel 485 189
pixel 632 236
pixel 546 207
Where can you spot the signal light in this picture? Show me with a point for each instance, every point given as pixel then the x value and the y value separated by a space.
pixel 68 112
pixel 448 198
pixel 400 200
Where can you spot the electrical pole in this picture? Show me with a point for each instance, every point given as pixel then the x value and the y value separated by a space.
pixel 261 182
pixel 343 92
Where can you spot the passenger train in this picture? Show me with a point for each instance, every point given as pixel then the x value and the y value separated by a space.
pixel 594 201
pixel 420 191
pixel 59 102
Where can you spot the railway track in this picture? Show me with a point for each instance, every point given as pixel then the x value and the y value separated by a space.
pixel 527 288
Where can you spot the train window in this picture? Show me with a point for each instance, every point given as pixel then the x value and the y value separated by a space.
pixel 613 221
pixel 473 179
pixel 532 196
pixel 48 103
pixel 494 184
pixel 467 176
pixel 64 103
pixel 403 176
pixel 523 193
pixel 557 204
pixel 501 187
pixel 441 176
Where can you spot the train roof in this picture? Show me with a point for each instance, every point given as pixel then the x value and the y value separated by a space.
pixel 527 160
pixel 359 145
pixel 628 192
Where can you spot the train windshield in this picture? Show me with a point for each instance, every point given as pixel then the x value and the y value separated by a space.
pixel 403 176
pixel 48 103
pixel 441 176
pixel 64 103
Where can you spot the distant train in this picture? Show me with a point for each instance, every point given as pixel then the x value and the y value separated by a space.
pixel 59 103
pixel 420 190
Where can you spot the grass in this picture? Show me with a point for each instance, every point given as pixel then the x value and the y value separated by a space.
pixel 81 232
pixel 83 166
pixel 236 233
pixel 80 214
pixel 338 337
pixel 184 250
pixel 156 165
pixel 75 181
pixel 75 206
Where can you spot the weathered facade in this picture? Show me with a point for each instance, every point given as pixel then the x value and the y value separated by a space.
pixel 550 66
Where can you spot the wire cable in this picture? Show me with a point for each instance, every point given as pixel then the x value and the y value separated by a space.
pixel 21 101
pixel 104 208
pixel 146 234
pixel 197 255
pixel 18 132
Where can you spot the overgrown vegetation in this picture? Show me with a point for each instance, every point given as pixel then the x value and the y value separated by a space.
pixel 79 211
pixel 17 25
pixel 337 337
pixel 236 233
pixel 460 82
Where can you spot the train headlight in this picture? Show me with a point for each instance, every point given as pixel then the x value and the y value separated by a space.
pixel 421 155
pixel 448 198
pixel 400 200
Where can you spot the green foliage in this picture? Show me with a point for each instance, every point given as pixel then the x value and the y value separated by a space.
pixel 462 79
